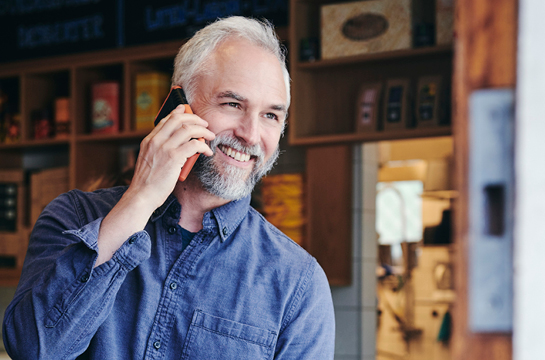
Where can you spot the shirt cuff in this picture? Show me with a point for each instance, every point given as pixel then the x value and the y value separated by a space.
pixel 133 251
pixel 88 233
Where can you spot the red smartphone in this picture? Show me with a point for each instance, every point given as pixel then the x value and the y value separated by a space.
pixel 175 98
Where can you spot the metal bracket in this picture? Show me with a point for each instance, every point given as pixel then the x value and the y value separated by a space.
pixel 491 184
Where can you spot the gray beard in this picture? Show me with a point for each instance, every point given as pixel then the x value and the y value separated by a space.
pixel 227 181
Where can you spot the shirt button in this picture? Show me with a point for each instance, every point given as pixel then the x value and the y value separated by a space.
pixel 132 240
pixel 173 285
pixel 157 344
pixel 84 278
pixel 224 231
pixel 171 230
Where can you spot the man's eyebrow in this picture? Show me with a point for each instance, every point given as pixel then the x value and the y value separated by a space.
pixel 231 95
pixel 279 108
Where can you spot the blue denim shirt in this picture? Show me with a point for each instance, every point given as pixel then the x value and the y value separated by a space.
pixel 240 289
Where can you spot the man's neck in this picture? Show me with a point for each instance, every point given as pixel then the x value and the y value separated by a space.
pixel 195 202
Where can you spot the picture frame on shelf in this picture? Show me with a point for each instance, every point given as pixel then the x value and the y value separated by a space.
pixel 429 94
pixel 397 103
pixel 368 107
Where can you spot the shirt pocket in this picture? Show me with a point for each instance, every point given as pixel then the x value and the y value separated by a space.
pixel 212 337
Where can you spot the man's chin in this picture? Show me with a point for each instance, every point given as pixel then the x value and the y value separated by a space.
pixel 226 181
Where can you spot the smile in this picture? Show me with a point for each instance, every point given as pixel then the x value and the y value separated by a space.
pixel 235 154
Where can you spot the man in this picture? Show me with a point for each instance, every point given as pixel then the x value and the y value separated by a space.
pixel 181 270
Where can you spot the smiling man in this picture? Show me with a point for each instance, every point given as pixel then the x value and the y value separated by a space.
pixel 166 269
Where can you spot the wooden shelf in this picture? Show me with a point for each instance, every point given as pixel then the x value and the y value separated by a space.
pixel 323 109
pixel 323 116
pixel 371 137
pixel 34 143
pixel 130 135
pixel 34 84
pixel 320 65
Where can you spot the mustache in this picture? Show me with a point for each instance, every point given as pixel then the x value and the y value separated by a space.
pixel 238 145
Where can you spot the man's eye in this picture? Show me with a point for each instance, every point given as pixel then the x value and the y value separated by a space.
pixel 233 104
pixel 271 116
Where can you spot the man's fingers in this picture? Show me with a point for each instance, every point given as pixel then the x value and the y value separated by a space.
pixel 194 146
pixel 187 132
pixel 175 121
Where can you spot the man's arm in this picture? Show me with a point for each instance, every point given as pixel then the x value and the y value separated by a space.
pixel 162 154
pixel 309 329
pixel 61 300
pixel 73 269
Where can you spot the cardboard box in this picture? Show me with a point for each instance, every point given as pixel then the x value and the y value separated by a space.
pixel 151 90
pixel 365 27
pixel 45 186
pixel 283 204
pixel 105 107
pixel 444 22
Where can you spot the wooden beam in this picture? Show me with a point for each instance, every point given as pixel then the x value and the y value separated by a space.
pixel 485 57
pixel 329 210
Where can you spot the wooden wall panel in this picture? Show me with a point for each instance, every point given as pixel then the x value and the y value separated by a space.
pixel 485 57
pixel 329 210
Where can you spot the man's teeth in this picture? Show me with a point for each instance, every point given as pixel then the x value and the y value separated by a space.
pixel 237 155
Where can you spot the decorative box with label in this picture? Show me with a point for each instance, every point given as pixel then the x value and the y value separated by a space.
pixel 365 27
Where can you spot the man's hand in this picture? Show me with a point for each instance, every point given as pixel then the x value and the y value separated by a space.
pixel 164 151
pixel 162 154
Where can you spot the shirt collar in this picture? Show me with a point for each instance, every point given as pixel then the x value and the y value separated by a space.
pixel 225 219
pixel 229 216
pixel 160 211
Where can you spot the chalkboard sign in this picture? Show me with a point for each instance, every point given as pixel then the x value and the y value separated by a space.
pixel 52 27
pixel 41 28
pixel 155 21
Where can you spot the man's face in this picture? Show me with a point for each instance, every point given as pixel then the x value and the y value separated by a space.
pixel 242 95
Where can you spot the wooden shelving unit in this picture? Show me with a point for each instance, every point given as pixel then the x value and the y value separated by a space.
pixel 322 111
pixel 34 84
pixel 323 117
pixel 324 92
pixel 319 65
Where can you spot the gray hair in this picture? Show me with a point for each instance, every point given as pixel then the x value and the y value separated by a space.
pixel 191 58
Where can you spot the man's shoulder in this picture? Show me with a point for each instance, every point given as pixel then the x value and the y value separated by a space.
pixel 290 262
pixel 106 195
pixel 98 202
pixel 276 241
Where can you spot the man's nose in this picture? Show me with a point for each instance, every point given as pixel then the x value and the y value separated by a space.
pixel 248 129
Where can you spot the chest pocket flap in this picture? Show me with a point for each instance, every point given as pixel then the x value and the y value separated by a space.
pixel 212 337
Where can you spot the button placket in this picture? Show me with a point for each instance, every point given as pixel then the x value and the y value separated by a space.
pixel 172 291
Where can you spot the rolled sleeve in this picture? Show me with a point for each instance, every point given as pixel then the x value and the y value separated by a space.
pixel 61 300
